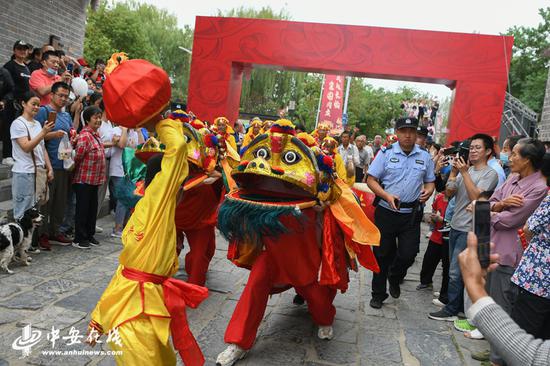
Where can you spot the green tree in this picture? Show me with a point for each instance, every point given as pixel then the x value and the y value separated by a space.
pixel 142 31
pixel 529 66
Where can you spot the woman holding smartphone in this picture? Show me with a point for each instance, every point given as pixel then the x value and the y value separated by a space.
pixel 29 153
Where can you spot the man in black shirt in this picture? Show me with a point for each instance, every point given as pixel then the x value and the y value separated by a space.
pixel 12 109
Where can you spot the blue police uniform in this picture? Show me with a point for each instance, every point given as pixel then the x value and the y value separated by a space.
pixel 402 175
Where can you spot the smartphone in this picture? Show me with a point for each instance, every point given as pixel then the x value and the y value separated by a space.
pixel 70 68
pixel 397 203
pixel 482 229
pixel 52 116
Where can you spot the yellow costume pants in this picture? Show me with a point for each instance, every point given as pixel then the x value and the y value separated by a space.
pixel 141 346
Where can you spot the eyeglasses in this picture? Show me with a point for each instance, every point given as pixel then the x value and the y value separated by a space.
pixel 62 96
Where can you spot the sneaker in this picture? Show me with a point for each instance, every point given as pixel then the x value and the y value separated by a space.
pixel 422 286
pixel 438 302
pixel 8 161
pixel 82 245
pixel 44 243
pixel 33 250
pixel 325 332
pixel 98 229
pixel 230 355
pixel 116 234
pixel 442 315
pixel 395 291
pixel 60 239
pixel 463 325
pixel 445 229
pixel 474 334
pixel 482 356
pixel 94 242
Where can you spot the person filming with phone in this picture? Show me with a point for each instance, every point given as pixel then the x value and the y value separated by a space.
pixel 402 177
pixel 468 178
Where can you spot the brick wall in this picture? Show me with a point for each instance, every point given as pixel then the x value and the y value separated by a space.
pixel 544 125
pixel 33 21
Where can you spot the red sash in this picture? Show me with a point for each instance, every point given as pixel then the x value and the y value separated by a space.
pixel 177 295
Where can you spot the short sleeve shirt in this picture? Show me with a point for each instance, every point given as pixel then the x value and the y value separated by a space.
pixel 20 75
pixel 485 179
pixel 23 160
pixel 63 122
pixel 40 78
pixel 401 174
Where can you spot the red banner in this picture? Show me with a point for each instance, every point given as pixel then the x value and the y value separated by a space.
pixel 332 102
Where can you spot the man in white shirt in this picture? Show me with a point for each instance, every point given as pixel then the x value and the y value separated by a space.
pixel 365 157
pixel 347 150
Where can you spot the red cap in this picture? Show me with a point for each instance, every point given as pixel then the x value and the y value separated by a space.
pixel 135 92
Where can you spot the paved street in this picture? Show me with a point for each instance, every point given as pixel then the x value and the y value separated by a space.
pixel 61 287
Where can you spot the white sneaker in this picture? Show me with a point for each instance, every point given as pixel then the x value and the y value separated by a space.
pixel 98 229
pixel 8 161
pixel 436 302
pixel 474 334
pixel 325 332
pixel 230 355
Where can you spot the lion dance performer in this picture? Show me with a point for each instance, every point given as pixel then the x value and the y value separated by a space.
pixel 287 198
pixel 143 302
pixel 203 190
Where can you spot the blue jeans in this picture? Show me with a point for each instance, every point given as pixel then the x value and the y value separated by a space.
pixel 22 190
pixel 457 243
pixel 121 212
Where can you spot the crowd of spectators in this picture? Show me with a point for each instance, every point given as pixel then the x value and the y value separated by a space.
pixel 53 129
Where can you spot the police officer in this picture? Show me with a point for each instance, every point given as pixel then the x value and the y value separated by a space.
pixel 402 177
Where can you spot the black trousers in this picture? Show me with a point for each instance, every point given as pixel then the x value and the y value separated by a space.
pixel 532 314
pixel 86 211
pixel 359 174
pixel 399 244
pixel 8 116
pixel 435 253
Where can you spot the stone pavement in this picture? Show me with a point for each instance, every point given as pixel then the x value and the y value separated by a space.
pixel 61 287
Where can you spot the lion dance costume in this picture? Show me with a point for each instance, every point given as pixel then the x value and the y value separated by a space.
pixel 274 222
pixel 143 302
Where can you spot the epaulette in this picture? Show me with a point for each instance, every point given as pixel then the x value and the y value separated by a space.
pixel 384 148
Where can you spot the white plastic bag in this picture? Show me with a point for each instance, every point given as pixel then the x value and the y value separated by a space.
pixel 65 152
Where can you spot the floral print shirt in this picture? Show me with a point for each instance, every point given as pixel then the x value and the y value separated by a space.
pixel 533 271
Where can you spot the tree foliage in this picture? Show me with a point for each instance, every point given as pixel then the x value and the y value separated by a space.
pixel 142 31
pixel 529 67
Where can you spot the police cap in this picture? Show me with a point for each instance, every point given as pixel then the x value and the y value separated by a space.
pixel 407 122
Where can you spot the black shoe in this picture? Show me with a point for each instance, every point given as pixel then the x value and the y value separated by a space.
pixel 443 316
pixel 395 291
pixel 424 286
pixel 33 250
pixel 82 245
pixel 94 242
pixel 298 300
pixel 376 302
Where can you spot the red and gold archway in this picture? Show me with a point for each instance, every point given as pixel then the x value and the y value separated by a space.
pixel 475 66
